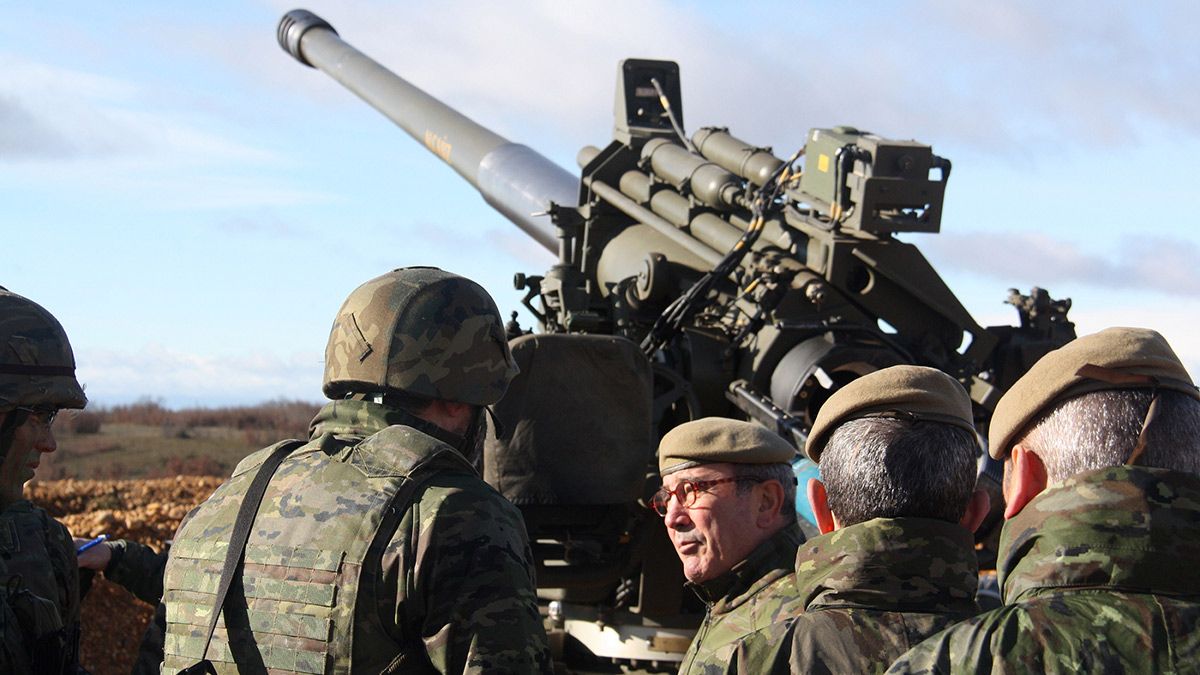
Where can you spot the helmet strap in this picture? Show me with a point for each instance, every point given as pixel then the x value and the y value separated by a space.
pixel 472 442
pixel 498 428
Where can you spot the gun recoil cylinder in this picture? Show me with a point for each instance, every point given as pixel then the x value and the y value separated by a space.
pixel 754 164
pixel 710 183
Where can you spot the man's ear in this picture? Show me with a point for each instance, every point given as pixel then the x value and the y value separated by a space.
pixel 452 416
pixel 820 506
pixel 977 510
pixel 769 503
pixel 1025 477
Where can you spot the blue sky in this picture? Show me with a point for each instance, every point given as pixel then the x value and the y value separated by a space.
pixel 194 205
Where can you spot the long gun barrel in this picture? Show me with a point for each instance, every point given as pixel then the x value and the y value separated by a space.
pixel 514 179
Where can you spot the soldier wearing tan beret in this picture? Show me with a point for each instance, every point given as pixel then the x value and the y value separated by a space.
pixel 1099 560
pixel 896 504
pixel 728 500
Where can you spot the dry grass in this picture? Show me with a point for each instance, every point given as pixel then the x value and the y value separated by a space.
pixel 146 440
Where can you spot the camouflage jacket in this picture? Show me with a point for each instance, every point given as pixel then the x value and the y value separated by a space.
pixel 41 588
pixel 327 585
pixel 13 658
pixel 1099 575
pixel 757 592
pixel 869 592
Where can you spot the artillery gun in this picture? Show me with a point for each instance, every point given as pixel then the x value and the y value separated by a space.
pixel 695 277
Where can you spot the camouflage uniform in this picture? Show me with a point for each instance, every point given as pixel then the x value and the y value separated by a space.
pixel 870 592
pixel 449 590
pixel 12 652
pixel 42 585
pixel 1100 574
pixel 756 593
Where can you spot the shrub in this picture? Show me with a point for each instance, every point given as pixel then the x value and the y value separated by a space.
pixel 86 422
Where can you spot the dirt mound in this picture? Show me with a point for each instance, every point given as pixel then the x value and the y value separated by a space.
pixel 147 511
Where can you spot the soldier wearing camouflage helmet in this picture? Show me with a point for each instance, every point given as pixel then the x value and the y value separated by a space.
pixel 1099 561
pixel 39 581
pixel 896 506
pixel 376 547
pixel 728 501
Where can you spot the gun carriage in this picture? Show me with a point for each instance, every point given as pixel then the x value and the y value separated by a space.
pixel 695 277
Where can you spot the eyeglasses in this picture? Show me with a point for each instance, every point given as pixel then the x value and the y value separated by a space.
pixel 42 416
pixel 687 490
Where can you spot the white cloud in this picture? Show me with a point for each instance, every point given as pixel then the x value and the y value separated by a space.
pixel 53 112
pixel 180 378
pixel 24 134
pixel 1007 78
pixel 1158 264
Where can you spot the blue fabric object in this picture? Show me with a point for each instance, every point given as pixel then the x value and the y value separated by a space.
pixel 805 470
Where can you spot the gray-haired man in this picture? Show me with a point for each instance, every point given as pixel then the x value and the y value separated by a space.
pixel 896 506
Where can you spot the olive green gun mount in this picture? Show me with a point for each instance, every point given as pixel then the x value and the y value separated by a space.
pixel 695 277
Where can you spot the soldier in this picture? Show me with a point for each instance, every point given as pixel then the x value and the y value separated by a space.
pixel 896 508
pixel 39 581
pixel 376 545
pixel 1100 552
pixel 733 523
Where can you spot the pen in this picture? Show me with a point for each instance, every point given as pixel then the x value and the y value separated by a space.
pixel 90 544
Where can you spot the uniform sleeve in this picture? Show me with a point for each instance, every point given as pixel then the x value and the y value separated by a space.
pixel 469 588
pixel 764 651
pixel 137 568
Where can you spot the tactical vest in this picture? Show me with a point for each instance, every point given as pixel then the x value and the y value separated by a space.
pixel 39 616
pixel 307 597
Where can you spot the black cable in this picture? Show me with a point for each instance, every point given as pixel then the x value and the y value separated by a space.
pixel 685 306
pixel 666 104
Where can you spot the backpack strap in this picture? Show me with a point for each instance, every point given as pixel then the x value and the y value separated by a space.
pixel 237 545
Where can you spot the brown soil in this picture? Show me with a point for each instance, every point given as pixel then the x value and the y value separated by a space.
pixel 147 511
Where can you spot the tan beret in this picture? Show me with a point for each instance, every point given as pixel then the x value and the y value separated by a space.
pixel 1115 358
pixel 913 392
pixel 712 440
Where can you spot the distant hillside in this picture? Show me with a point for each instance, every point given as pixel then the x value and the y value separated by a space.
pixel 146 440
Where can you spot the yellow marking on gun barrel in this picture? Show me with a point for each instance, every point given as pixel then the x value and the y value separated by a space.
pixel 823 163
pixel 438 145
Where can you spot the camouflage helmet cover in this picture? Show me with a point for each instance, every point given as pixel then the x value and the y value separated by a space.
pixel 422 331
pixel 37 366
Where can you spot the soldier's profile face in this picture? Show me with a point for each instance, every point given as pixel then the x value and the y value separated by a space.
pixel 717 531
pixel 29 441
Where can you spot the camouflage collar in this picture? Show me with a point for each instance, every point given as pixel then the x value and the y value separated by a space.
pixel 1122 528
pixel 890 564
pixel 349 417
pixel 766 564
